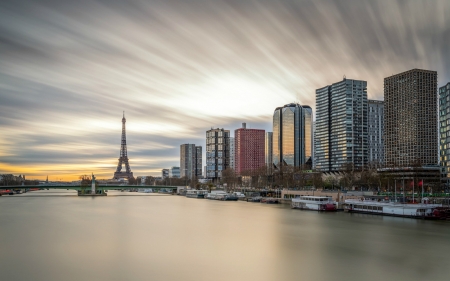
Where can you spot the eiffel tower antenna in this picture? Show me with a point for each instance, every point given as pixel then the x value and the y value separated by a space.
pixel 123 159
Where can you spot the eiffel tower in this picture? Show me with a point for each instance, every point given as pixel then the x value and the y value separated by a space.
pixel 123 159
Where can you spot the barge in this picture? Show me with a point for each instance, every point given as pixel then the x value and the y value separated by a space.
pixel 316 203
pixel 196 193
pixel 419 210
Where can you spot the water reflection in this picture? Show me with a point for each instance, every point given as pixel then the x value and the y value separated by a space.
pixel 175 238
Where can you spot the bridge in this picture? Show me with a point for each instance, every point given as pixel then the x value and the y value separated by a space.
pixel 101 188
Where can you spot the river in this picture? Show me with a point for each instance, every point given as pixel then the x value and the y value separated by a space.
pixel 47 235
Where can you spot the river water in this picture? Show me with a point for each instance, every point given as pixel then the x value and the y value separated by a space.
pixel 48 235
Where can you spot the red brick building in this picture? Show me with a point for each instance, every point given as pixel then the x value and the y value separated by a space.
pixel 249 149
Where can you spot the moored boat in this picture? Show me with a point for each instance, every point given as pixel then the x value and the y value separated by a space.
pixel 269 200
pixel 254 199
pixel 316 203
pixel 193 193
pixel 421 210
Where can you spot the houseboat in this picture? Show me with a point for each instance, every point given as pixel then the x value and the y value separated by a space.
pixel 420 210
pixel 222 196
pixel 193 193
pixel 269 200
pixel 316 203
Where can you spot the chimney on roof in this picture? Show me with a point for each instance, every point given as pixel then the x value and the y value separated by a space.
pixel 244 126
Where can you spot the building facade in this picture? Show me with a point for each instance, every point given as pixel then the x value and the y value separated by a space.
pixel 174 172
pixel 198 161
pixel 232 154
pixel 341 126
pixel 164 173
pixel 292 136
pixel 314 146
pixel 308 125
pixel 190 161
pixel 410 116
pixel 375 133
pixel 249 149
pixel 268 151
pixel 444 130
pixel 217 153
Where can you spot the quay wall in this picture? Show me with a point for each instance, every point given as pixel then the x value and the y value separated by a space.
pixel 338 196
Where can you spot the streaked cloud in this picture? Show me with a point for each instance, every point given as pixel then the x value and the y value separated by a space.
pixel 69 68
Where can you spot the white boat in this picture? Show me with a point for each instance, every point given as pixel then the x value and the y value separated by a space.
pixel 145 190
pixel 316 203
pixel 194 193
pixel 393 208
pixel 221 195
pixel 238 194
pixel 215 195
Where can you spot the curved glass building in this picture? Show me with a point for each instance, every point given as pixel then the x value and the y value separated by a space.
pixel 292 136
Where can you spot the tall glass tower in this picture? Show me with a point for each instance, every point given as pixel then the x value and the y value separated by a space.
pixel 217 153
pixel 341 126
pixel 292 136
pixel 444 129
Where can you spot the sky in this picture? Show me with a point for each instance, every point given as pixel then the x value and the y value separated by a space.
pixel 68 70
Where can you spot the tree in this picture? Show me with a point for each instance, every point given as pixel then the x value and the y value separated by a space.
pixel 149 180
pixel 349 177
pixel 317 180
pixel 132 181
pixel 229 177
pixel 85 182
pixel 8 179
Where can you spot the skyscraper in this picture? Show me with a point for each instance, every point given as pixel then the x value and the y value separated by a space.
pixel 190 160
pixel 198 161
pixel 217 152
pixel 410 111
pixel 341 126
pixel 314 160
pixel 375 133
pixel 232 154
pixel 444 129
pixel 164 173
pixel 249 149
pixel 268 152
pixel 292 136
pixel 309 137
pixel 174 172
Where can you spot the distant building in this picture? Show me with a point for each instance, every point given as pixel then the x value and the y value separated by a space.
pixel 198 161
pixel 375 133
pixel 174 172
pixel 249 149
pixel 190 161
pixel 444 129
pixel 292 136
pixel 268 151
pixel 411 119
pixel 164 173
pixel 232 154
pixel 308 133
pixel 217 153
pixel 314 146
pixel 341 126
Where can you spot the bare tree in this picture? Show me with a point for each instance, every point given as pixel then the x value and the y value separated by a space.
pixel 149 180
pixel 349 176
pixel 8 179
pixel 317 179
pixel 229 177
